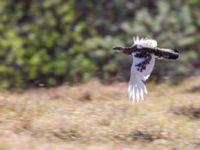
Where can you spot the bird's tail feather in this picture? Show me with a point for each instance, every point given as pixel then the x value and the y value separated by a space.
pixel 136 89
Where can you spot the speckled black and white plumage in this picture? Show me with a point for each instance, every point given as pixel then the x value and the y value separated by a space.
pixel 144 53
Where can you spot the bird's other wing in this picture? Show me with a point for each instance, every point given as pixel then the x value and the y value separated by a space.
pixel 140 71
pixel 137 42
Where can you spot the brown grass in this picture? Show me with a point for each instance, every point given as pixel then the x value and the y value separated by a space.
pixel 93 116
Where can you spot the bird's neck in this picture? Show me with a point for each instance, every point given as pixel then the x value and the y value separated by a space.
pixel 128 50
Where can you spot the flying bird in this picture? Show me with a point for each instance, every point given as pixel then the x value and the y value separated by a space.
pixel 144 52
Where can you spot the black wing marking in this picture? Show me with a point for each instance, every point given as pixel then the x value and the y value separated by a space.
pixel 147 58
pixel 162 52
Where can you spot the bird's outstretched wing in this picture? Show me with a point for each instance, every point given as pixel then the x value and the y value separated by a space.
pixel 140 71
pixel 138 45
pixel 162 53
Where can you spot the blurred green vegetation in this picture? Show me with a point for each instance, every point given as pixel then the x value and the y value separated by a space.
pixel 56 41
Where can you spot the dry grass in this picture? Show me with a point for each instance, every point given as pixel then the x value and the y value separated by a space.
pixel 93 116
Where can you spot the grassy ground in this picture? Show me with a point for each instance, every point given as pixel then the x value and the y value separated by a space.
pixel 93 116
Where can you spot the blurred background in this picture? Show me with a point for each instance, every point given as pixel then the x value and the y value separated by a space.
pixel 63 87
pixel 57 41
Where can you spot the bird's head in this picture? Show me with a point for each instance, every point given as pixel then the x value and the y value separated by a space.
pixel 118 48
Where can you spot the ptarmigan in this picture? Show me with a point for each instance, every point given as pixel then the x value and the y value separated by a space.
pixel 144 52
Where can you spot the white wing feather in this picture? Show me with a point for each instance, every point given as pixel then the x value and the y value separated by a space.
pixel 137 88
pixel 145 42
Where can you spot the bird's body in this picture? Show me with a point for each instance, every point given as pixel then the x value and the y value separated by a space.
pixel 144 53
